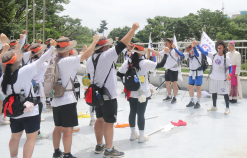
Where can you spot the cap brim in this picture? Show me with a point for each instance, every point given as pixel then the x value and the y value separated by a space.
pixel 75 53
pixel 41 51
pixel 218 43
pixel 65 49
pixel 109 42
pixel 145 51
pixel 167 39
pixel 18 61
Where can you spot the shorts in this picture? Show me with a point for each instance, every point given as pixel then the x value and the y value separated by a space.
pixel 218 86
pixel 197 81
pixel 65 115
pixel 108 111
pixel 171 75
pixel 29 124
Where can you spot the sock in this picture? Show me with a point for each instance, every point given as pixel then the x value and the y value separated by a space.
pixel 141 133
pixel 191 99
pixel 91 113
pixel 109 150
pixel 133 130
pixel 67 154
pixel 101 145
pixel 57 150
pixel 198 100
pixel 169 96
pixel 1 117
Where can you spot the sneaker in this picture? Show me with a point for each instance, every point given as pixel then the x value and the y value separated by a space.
pixel 227 111
pixel 143 139
pixel 113 153
pixel 152 96
pixel 197 106
pixel 213 109
pixel 174 100
pixel 76 129
pixel 134 137
pixel 92 122
pixel 4 122
pixel 69 156
pixel 43 136
pixel 99 149
pixel 167 98
pixel 190 104
pixel 58 155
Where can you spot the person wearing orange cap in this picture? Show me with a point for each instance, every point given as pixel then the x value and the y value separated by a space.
pixel 18 80
pixel 64 108
pixel 104 75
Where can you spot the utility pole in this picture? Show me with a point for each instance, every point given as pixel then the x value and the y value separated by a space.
pixel 27 20
pixel 44 22
pixel 33 19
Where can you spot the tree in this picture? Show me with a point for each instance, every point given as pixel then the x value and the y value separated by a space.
pixel 119 32
pixel 7 14
pixel 102 27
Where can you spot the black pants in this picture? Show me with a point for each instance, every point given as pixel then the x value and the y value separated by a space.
pixel 137 108
pixel 226 97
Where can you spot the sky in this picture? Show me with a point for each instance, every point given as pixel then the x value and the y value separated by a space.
pixel 124 13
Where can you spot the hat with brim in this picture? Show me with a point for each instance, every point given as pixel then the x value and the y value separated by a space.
pixel 26 47
pixel 220 42
pixel 37 49
pixel 188 49
pixel 13 43
pixel 139 48
pixel 169 40
pixel 103 41
pixel 73 52
pixel 64 44
pixel 13 57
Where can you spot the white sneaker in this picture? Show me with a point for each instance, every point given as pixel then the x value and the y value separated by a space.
pixel 227 111
pixel 143 139
pixel 76 129
pixel 152 96
pixel 92 122
pixel 43 136
pixel 213 109
pixel 4 122
pixel 134 137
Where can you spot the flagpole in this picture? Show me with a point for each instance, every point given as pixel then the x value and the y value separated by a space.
pixel 201 35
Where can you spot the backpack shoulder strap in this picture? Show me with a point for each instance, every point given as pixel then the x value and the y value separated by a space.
pixel 171 55
pixel 107 75
pixel 225 63
pixel 95 63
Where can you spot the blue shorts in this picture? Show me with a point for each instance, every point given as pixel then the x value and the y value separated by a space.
pixel 197 81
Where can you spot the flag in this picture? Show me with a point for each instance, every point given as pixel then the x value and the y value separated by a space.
pixel 180 77
pixel 208 45
pixel 150 45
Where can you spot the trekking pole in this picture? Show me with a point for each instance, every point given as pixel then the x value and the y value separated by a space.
pixel 185 93
pixel 160 85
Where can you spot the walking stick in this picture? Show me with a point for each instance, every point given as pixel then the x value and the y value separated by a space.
pixel 184 94
pixel 160 85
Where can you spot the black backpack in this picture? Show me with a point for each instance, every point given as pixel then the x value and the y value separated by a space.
pixel 13 104
pixel 131 80
pixel 94 94
pixel 203 63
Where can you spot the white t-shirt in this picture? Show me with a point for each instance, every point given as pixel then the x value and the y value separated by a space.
pixel 218 72
pixel 67 68
pixel 104 65
pixel 194 64
pixel 170 62
pixel 26 57
pixel 145 67
pixel 25 76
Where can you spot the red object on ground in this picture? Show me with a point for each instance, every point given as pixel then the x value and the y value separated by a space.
pixel 180 123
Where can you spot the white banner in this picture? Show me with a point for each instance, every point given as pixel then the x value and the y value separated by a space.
pixel 208 45
pixel 180 76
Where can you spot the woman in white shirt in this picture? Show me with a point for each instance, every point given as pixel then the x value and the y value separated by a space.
pixel 21 80
pixel 136 108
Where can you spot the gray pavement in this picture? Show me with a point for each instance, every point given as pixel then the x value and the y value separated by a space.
pixel 207 134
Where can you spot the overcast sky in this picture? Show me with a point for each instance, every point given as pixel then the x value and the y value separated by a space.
pixel 124 13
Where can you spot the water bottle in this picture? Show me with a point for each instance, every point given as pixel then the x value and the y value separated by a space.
pixel 100 100
pixel 123 79
pixel 136 79
pixel 59 81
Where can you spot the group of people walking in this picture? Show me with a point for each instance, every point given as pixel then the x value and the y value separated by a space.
pixel 23 73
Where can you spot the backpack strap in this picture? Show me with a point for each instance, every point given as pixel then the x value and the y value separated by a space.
pixel 95 63
pixel 108 74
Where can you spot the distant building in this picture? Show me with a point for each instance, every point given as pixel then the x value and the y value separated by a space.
pixel 235 15
pixel 243 12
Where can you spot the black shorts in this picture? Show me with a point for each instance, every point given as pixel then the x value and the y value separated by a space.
pixel 108 111
pixel 171 75
pixel 65 115
pixel 29 124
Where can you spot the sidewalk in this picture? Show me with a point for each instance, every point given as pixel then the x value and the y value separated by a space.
pixel 207 134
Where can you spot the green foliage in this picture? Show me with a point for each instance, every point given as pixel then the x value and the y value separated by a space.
pixel 102 27
pixel 119 32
